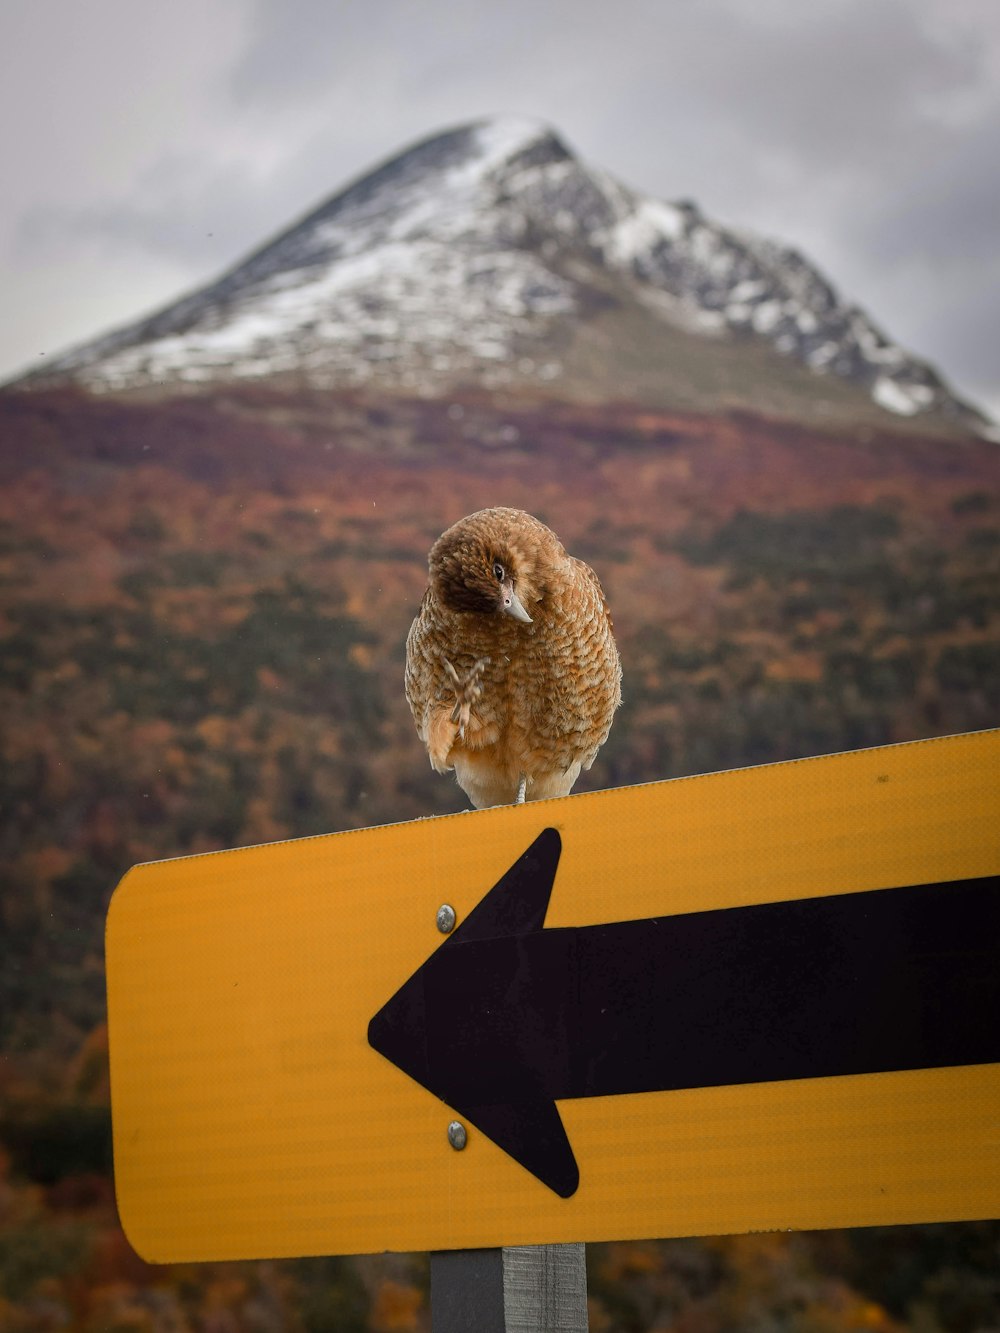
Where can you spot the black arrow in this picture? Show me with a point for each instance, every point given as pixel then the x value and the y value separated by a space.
pixel 506 1018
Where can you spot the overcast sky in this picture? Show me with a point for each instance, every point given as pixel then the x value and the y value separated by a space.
pixel 148 146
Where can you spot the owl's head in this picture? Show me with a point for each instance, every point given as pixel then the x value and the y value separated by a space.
pixel 494 562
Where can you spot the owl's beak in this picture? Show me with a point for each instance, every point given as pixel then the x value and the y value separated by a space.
pixel 510 603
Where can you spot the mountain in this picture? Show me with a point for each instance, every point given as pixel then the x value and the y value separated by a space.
pixel 491 257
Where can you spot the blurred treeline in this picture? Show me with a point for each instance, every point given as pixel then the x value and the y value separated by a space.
pixel 202 618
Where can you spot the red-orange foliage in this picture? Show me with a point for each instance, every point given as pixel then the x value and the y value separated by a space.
pixel 202 617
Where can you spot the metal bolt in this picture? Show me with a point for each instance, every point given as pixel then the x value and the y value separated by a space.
pixel 446 919
pixel 457 1136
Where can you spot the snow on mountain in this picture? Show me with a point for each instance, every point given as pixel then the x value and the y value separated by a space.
pixel 478 256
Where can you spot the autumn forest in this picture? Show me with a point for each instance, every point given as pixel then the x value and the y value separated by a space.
pixel 204 604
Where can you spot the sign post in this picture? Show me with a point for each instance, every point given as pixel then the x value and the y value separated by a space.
pixel 759 999
pixel 520 1289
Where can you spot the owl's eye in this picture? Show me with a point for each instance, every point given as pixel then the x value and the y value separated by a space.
pixel 498 571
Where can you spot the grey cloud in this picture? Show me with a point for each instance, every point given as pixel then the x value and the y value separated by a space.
pixel 181 210
pixel 822 107
pixel 968 335
pixel 297 48
pixel 834 84
pixel 948 210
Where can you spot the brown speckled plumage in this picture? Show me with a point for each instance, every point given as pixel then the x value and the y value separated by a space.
pixel 498 698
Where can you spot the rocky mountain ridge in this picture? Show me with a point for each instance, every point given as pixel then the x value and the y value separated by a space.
pixel 491 256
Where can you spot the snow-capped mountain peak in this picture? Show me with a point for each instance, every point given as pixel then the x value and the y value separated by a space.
pixel 491 255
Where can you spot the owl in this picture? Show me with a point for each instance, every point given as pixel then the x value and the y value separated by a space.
pixel 512 671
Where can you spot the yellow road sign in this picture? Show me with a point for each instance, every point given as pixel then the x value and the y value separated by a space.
pixel 253 1117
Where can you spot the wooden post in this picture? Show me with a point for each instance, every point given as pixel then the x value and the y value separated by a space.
pixel 545 1288
pixel 520 1289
